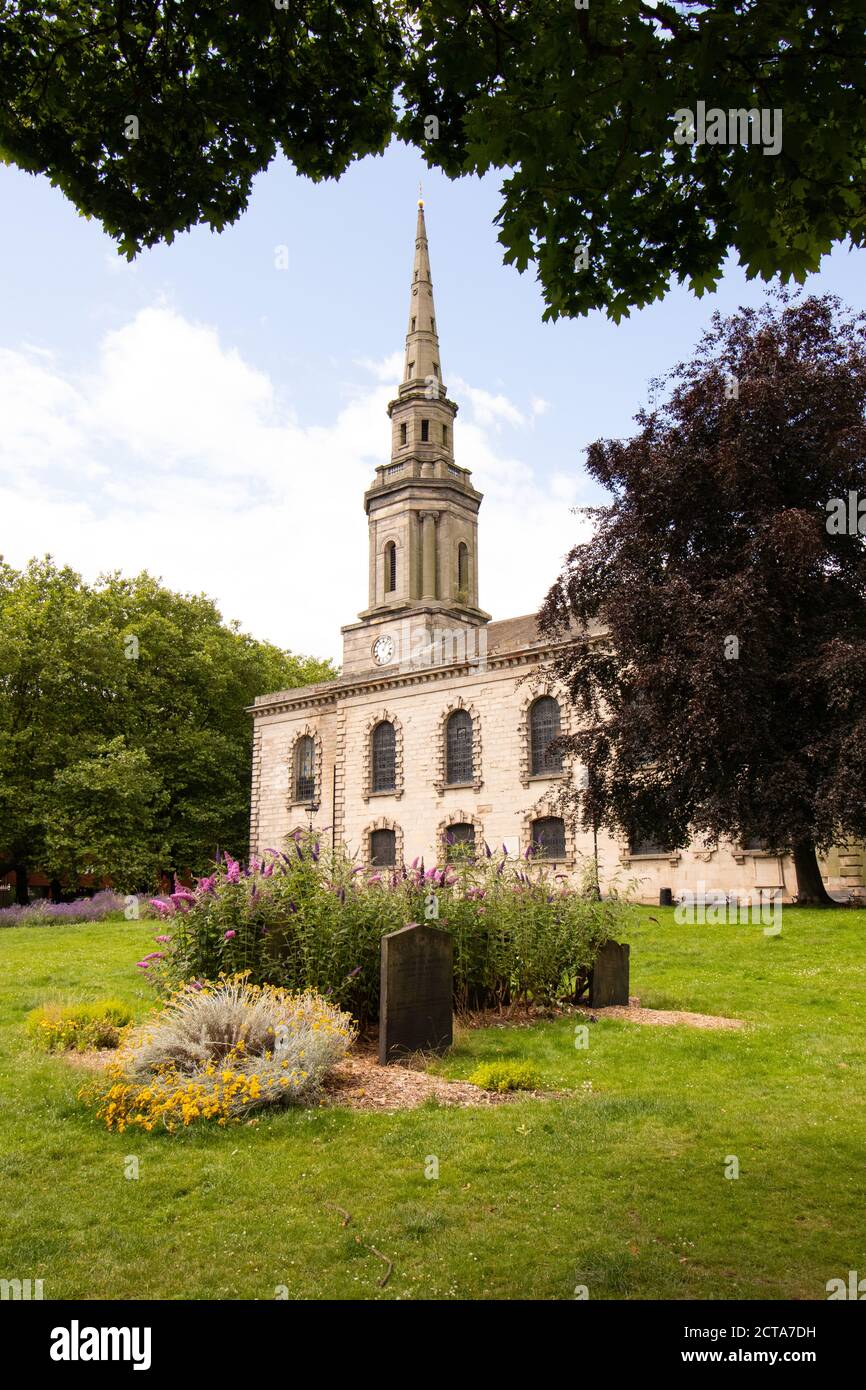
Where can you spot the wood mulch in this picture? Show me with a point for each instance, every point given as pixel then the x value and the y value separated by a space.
pixel 360 1083
pixel 633 1013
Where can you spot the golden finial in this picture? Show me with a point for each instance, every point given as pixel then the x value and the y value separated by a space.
pixel 420 195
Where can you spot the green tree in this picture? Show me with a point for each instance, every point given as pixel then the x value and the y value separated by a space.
pixel 123 716
pixel 156 117
pixel 713 629
pixel 101 815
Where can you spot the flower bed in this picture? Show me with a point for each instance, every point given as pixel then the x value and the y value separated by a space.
pixel 312 918
pixel 42 912
pixel 221 1051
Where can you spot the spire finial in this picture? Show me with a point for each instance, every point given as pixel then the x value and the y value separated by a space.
pixel 420 194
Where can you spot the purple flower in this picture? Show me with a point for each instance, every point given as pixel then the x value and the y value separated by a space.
pixel 415 862
pixel 233 870
pixel 162 938
pixel 206 885
pixel 375 878
pixel 166 909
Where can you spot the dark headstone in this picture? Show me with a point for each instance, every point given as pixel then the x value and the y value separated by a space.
pixel 415 1010
pixel 608 982
pixel 666 897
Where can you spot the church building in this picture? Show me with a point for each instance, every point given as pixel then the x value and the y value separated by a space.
pixel 438 729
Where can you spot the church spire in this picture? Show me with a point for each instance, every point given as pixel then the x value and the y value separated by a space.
pixel 422 508
pixel 422 363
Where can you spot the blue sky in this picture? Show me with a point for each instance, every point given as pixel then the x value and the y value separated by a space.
pixel 215 419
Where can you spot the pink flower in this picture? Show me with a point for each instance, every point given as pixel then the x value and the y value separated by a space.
pixel 206 885
pixel 229 935
pixel 166 909
pixel 375 878
pixel 162 938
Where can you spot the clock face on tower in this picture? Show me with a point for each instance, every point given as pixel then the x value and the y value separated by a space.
pixel 383 650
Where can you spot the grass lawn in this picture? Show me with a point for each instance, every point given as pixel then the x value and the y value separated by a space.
pixel 619 1186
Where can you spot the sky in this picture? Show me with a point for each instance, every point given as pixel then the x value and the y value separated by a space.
pixel 214 411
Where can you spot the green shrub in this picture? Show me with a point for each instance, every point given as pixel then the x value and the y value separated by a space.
pixel 312 918
pixel 506 1076
pixel 79 1027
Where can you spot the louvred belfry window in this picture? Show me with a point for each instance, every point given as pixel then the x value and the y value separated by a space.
pixel 390 567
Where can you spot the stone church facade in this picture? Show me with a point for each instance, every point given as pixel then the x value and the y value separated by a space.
pixel 437 729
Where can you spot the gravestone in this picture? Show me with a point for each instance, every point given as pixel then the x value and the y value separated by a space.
pixel 417 984
pixel 608 980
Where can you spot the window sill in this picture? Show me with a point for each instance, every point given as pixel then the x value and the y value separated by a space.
pixel 671 856
pixel 390 791
pixel 545 777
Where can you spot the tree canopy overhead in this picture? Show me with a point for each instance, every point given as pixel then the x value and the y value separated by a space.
pixel 154 117
pixel 727 696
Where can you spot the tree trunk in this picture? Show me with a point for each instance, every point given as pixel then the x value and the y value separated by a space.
pixel 810 885
pixel 55 892
pixel 21 881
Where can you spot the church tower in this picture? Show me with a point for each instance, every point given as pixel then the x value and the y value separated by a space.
pixel 422 510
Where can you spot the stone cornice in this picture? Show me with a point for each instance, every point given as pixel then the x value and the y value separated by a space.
pixel 313 697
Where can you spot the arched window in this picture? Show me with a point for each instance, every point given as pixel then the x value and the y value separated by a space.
pixel 460 842
pixel 384 757
pixel 640 841
pixel 458 748
pixel 543 729
pixel 305 768
pixel 383 849
pixel 390 567
pixel 548 837
pixel 463 568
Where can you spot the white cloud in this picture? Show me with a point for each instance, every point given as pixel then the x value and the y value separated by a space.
pixel 175 455
pixel 489 410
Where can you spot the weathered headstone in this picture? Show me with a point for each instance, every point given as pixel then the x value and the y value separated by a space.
pixel 608 980
pixel 415 1007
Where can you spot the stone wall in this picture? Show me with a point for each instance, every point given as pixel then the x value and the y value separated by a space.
pixel 502 800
